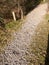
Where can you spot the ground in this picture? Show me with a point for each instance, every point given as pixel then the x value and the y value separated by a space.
pixel 24 49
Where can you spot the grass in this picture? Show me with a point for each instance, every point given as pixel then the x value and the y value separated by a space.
pixel 5 35
pixel 3 39
pixel 47 20
pixel 47 17
pixel 42 2
pixel 14 25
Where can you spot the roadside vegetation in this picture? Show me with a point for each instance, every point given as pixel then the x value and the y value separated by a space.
pixel 14 25
pixel 47 19
pixel 6 33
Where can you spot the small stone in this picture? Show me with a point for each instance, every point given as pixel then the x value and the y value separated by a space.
pixel 14 52
pixel 6 64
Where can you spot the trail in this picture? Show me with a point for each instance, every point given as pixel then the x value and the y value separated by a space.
pixel 16 50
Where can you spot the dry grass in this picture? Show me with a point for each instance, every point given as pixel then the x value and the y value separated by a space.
pixel 6 35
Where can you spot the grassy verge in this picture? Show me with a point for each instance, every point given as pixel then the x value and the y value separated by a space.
pixel 14 25
pixel 5 35
pixel 47 20
pixel 42 2
pixel 3 39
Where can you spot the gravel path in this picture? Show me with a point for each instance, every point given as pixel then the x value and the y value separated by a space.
pixel 17 49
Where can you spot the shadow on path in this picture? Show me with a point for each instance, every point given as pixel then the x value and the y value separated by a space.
pixel 47 55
